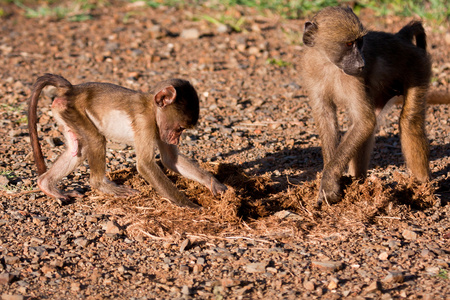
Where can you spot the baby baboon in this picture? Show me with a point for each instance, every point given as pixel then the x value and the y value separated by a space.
pixel 90 113
pixel 345 65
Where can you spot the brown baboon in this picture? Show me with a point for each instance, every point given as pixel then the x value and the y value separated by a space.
pixel 347 66
pixel 91 112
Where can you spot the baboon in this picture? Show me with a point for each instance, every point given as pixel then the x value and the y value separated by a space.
pixel 345 65
pixel 90 113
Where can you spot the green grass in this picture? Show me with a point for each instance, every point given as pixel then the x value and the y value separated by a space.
pixel 23 120
pixel 11 187
pixel 76 11
pixel 79 10
pixel 235 23
pixel 443 274
pixel 158 3
pixel 437 10
pixel 278 62
pixel 8 174
pixel 12 108
pixel 8 187
pixel 16 109
pixel 289 9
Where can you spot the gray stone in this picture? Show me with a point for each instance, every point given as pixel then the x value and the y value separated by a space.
pixel 328 265
pixel 38 251
pixel 394 244
pixel 255 267
pixel 286 214
pixel 200 261
pixel 11 260
pixel 82 242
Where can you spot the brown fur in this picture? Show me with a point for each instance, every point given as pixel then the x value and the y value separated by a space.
pixel 345 65
pixel 92 112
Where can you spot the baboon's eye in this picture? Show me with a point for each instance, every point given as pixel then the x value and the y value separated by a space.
pixel 350 44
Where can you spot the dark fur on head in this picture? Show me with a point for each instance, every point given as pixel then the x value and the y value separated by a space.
pixel 346 27
pixel 187 102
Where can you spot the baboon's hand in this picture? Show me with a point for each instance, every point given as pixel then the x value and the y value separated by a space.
pixel 217 187
pixel 330 190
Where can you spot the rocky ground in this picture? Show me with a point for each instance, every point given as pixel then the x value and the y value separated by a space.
pixel 388 238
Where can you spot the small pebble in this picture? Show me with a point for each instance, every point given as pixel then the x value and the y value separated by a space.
pixel 394 277
pixel 255 267
pixel 328 265
pixel 185 245
pixel 190 34
pixel 409 235
pixel 112 228
pixel 383 256
pixel 309 285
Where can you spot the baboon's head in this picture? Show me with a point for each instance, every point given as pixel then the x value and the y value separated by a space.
pixel 339 35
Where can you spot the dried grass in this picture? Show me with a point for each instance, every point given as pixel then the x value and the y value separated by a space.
pixel 246 210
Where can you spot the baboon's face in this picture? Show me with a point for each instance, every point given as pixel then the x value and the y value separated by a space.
pixel 349 58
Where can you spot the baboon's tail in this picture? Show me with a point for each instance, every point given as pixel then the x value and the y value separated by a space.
pixel 41 82
pixel 414 30
pixel 438 97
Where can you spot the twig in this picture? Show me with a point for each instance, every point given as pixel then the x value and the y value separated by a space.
pixel 204 236
pixel 266 123
pixel 304 208
pixel 246 238
pixel 200 236
pixel 143 207
pixel 153 236
pixel 385 217
pixel 246 225
pixel 326 200
pixel 290 183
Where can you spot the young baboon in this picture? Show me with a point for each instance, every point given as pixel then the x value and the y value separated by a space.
pixel 344 65
pixel 92 112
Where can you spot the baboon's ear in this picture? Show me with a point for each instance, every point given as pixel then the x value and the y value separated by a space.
pixel 166 96
pixel 309 32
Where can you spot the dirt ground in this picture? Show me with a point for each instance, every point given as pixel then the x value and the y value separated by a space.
pixel 388 238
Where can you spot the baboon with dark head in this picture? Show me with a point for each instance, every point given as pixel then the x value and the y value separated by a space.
pixel 344 65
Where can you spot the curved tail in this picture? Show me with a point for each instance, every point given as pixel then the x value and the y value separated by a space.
pixel 414 30
pixel 438 97
pixel 41 82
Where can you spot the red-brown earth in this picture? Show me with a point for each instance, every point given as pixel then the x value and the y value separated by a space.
pixel 387 239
